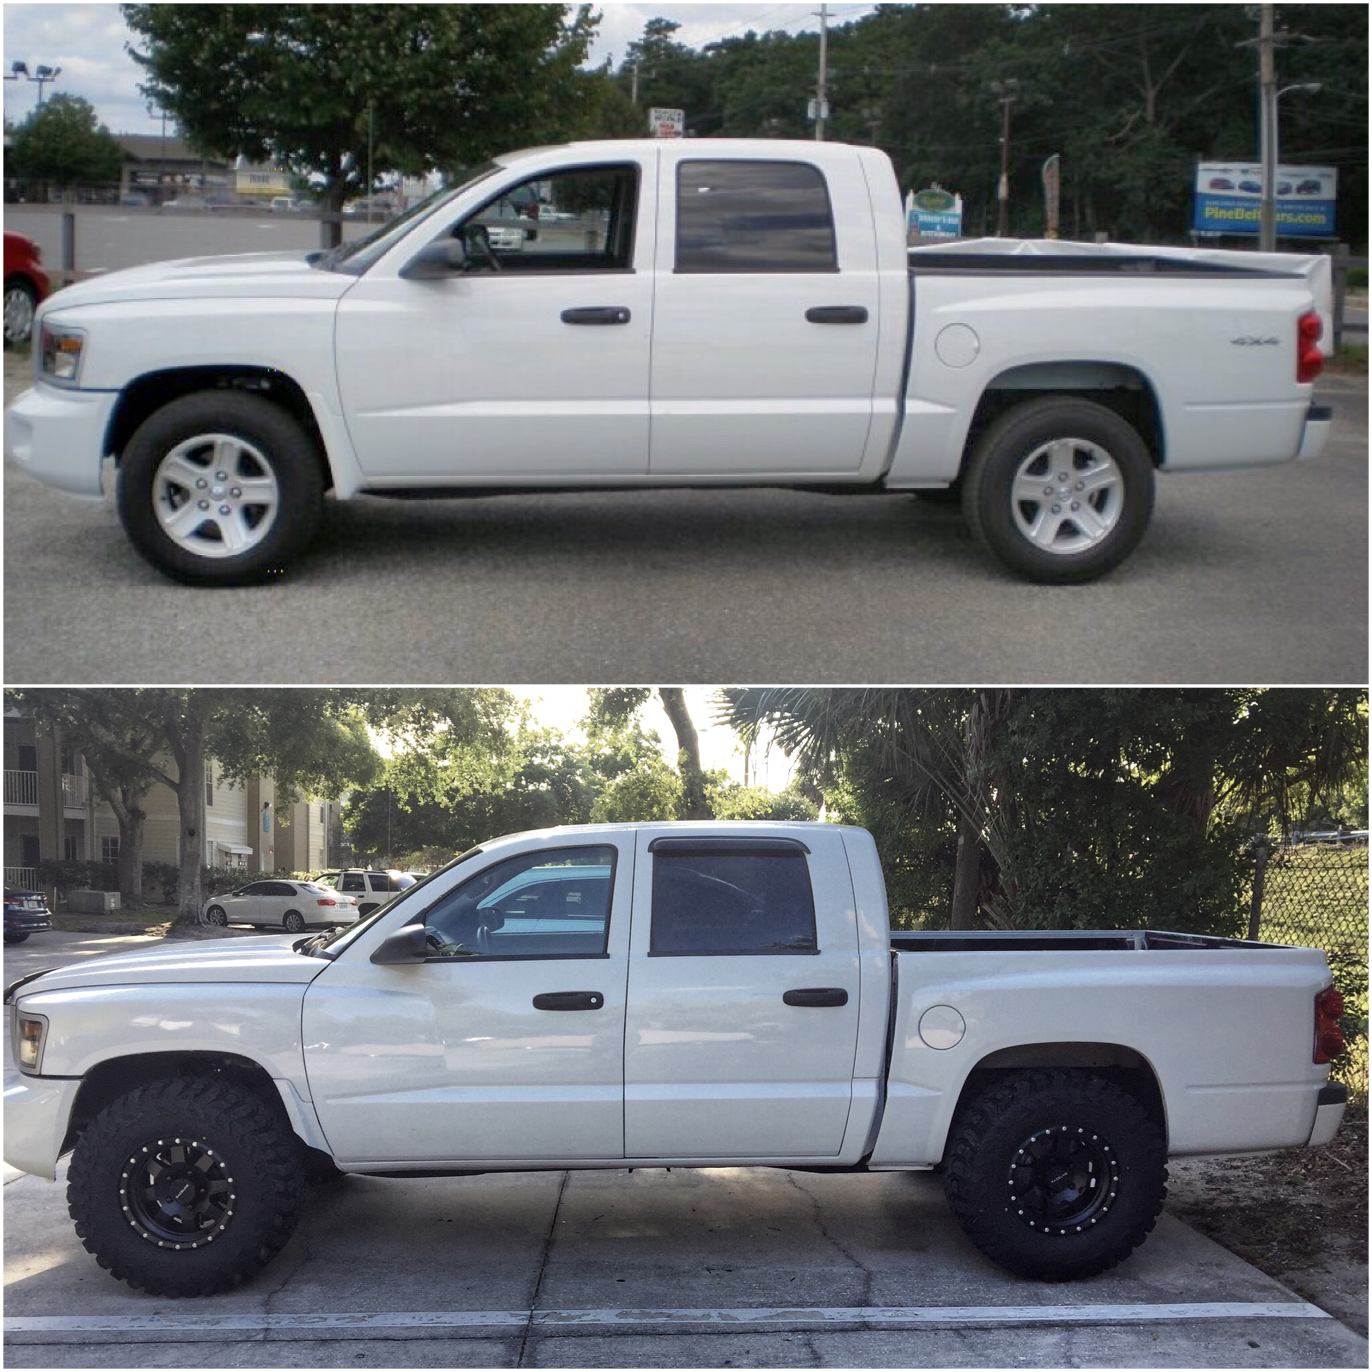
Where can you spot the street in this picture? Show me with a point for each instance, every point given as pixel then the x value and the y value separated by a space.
pixel 720 1267
pixel 1244 576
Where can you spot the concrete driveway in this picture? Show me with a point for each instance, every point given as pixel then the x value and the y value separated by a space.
pixel 650 1268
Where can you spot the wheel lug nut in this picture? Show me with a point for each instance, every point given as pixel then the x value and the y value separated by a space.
pixel 235 493
pixel 1076 504
pixel 1062 476
pixel 204 504
pixel 1057 509
pixel 201 484
pixel 224 476
pixel 1081 485
pixel 1048 490
pixel 223 509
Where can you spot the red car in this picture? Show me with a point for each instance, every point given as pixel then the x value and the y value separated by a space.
pixel 26 283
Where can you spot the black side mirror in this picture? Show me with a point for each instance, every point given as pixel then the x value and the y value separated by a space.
pixel 405 945
pixel 443 257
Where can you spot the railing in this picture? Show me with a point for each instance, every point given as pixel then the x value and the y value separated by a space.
pixel 21 788
pixel 73 789
pixel 24 877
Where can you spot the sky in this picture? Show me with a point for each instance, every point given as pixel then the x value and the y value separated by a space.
pixel 88 43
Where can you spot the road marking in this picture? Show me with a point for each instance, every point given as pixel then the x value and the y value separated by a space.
pixel 882 1317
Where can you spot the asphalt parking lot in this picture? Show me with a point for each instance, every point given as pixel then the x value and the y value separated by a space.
pixel 722 1267
pixel 1247 576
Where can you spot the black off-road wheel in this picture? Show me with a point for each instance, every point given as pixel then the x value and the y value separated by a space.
pixel 186 1187
pixel 221 488
pixel 1059 489
pixel 1056 1174
pixel 293 921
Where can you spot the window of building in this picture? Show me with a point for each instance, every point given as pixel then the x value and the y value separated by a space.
pixel 753 217
pixel 209 784
pixel 723 898
pixel 109 848
pixel 69 764
pixel 71 847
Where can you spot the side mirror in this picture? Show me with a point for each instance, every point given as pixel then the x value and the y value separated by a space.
pixel 443 257
pixel 405 945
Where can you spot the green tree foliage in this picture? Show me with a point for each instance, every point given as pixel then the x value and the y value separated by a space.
pixel 64 144
pixel 447 86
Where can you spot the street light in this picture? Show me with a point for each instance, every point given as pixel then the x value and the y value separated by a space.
pixel 42 75
pixel 1005 93
pixel 1271 159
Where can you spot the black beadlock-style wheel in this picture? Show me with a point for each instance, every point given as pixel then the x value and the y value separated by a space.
pixel 186 1187
pixel 1059 489
pixel 1056 1173
pixel 221 488
pixel 293 921
pixel 216 915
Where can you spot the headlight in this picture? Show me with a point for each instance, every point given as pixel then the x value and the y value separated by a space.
pixel 59 354
pixel 31 1030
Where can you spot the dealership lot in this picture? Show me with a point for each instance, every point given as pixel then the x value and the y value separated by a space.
pixel 749 1267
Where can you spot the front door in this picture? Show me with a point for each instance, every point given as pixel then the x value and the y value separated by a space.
pixel 533 363
pixel 506 1043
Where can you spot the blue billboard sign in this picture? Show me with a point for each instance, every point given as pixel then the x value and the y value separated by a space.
pixel 1228 199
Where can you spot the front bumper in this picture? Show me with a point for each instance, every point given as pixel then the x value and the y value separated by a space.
pixel 1329 1107
pixel 58 435
pixel 1318 420
pixel 37 1112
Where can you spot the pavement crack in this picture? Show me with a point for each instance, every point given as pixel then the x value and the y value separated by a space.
pixel 868 1276
pixel 542 1268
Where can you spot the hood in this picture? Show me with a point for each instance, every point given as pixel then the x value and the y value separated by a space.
pixel 260 959
pixel 285 274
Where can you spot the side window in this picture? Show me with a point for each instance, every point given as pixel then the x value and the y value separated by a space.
pixel 280 888
pixel 381 883
pixel 753 217
pixel 731 903
pixel 353 881
pixel 258 888
pixel 551 903
pixel 580 220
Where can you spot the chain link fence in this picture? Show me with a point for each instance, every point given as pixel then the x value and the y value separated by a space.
pixel 1316 895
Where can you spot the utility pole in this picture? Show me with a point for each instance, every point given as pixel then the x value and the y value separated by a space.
pixel 633 84
pixel 1005 93
pixel 1267 75
pixel 822 86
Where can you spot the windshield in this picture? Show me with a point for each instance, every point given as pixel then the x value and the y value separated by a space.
pixel 337 941
pixel 358 254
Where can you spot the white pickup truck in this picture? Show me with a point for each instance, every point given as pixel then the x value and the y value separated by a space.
pixel 649 995
pixel 697 313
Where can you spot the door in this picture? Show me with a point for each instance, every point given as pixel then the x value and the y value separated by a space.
pixel 507 1042
pixel 252 905
pixel 531 363
pixel 743 999
pixel 767 317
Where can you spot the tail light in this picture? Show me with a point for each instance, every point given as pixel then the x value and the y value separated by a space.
pixel 1328 1035
pixel 326 902
pixel 1309 358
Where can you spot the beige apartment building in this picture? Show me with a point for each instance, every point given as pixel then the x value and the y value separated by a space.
pixel 52 811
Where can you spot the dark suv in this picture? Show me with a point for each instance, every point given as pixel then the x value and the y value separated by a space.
pixel 26 912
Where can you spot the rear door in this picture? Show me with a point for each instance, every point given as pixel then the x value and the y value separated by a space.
pixel 767 317
pixel 743 998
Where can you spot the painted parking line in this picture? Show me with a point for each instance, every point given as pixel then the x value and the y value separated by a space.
pixel 774 1317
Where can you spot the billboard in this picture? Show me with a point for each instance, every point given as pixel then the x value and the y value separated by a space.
pixel 1229 199
pixel 933 213
pixel 667 123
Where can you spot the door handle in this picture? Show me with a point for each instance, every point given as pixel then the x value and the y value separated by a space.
pixel 834 314
pixel 597 314
pixel 817 996
pixel 569 1000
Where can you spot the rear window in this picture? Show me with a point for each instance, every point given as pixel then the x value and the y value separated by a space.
pixel 753 217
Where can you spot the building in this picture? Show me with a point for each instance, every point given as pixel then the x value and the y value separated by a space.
pixel 163 168
pixel 260 180
pixel 52 811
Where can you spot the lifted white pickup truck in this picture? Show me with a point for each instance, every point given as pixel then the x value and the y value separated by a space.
pixel 648 995
pixel 702 313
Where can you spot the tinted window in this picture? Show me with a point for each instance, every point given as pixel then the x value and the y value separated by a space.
pixel 277 888
pixel 552 903
pixel 259 888
pixel 732 903
pixel 352 881
pixel 380 883
pixel 753 217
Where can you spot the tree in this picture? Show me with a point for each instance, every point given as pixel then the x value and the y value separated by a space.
pixel 63 143
pixel 619 704
pixel 313 87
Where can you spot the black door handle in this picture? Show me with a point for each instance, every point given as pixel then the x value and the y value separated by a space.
pixel 597 314
pixel 817 995
pixel 569 1000
pixel 834 314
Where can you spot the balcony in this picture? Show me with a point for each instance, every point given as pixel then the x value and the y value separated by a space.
pixel 25 878
pixel 21 788
pixel 73 790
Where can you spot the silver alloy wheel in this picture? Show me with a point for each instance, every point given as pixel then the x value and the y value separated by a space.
pixel 18 314
pixel 1067 495
pixel 215 495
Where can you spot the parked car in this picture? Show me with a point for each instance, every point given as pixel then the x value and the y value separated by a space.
pixel 1283 188
pixel 371 889
pixel 1220 183
pixel 291 905
pixel 406 362
pixel 1251 187
pixel 26 286
pixel 134 200
pixel 653 995
pixel 1310 186
pixel 26 912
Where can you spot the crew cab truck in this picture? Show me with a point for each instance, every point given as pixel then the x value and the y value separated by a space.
pixel 649 995
pixel 701 313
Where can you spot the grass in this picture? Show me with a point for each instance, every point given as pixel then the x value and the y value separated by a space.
pixel 1351 360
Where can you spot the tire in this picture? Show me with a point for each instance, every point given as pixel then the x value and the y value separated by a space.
pixel 21 300
pixel 293 921
pixel 1072 1122
pixel 1104 449
pixel 215 915
pixel 16 938
pixel 248 1196
pixel 274 514
pixel 366 909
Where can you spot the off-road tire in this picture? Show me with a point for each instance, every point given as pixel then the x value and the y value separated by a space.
pixel 257 1147
pixel 292 921
pixel 285 445
pixel 215 915
pixel 1012 437
pixel 986 1144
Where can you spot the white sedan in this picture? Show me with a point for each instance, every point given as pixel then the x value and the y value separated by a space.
pixel 290 905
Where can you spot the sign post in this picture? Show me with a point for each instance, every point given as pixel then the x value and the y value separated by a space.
pixel 1052 192
pixel 667 123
